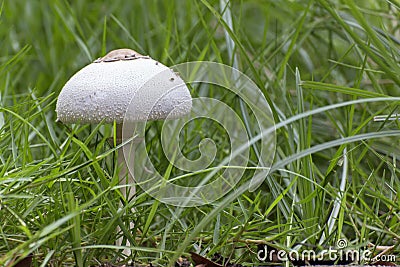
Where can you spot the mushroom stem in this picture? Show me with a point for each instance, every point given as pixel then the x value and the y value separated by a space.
pixel 128 190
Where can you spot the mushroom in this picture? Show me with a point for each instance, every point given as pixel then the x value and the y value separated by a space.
pixel 103 90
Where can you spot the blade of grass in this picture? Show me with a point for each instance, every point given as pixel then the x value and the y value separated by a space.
pixel 75 229
pixel 340 89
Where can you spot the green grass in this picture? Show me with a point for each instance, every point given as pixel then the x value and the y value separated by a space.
pixel 325 67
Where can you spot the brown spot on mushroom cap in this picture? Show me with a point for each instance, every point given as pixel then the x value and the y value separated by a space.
pixel 120 54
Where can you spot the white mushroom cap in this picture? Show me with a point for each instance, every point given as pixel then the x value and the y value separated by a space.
pixel 102 91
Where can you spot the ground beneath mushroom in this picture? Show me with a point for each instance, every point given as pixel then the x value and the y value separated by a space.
pixel 216 261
